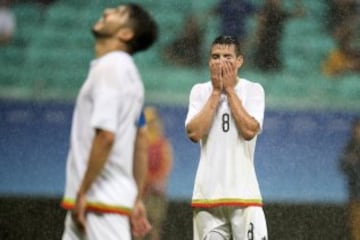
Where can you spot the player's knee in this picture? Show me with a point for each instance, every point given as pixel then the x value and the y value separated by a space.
pixel 214 236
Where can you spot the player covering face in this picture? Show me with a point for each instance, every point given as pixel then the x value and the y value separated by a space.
pixel 224 63
pixel 225 115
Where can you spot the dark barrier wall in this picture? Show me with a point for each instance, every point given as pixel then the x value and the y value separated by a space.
pixel 42 219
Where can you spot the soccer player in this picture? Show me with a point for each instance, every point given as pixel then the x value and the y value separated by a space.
pixel 350 165
pixel 101 190
pixel 225 115
pixel 160 160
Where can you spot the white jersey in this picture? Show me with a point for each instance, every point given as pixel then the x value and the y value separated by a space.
pixel 226 174
pixel 111 99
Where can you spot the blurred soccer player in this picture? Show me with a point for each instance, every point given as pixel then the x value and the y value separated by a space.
pixel 350 164
pixel 160 158
pixel 225 116
pixel 101 190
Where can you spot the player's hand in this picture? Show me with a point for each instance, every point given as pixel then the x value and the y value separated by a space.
pixel 79 211
pixel 139 222
pixel 229 75
pixel 215 74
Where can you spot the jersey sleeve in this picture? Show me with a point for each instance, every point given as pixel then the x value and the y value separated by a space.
pixel 141 121
pixel 256 103
pixel 108 93
pixel 195 103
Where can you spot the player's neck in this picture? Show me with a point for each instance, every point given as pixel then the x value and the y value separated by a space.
pixel 107 45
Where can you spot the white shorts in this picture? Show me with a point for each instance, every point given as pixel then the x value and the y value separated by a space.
pixel 233 223
pixel 99 227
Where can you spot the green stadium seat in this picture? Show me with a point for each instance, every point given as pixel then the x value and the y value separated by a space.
pixel 28 20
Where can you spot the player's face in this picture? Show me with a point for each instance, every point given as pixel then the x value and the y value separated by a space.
pixel 225 53
pixel 112 20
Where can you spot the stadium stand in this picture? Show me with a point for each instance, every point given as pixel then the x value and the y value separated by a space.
pixel 48 60
pixel 51 53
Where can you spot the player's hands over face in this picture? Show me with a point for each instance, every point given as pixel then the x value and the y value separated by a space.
pixel 229 75
pixel 215 74
pixel 139 222
pixel 79 211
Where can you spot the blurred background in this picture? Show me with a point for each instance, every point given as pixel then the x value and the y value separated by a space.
pixel 312 97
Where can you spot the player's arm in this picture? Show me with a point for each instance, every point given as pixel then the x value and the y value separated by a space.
pixel 139 222
pixel 100 149
pixel 141 159
pixel 246 125
pixel 200 124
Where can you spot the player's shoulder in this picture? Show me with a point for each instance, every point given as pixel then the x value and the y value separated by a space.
pixel 204 86
pixel 251 84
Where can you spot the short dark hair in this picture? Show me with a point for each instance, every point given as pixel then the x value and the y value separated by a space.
pixel 144 26
pixel 228 40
